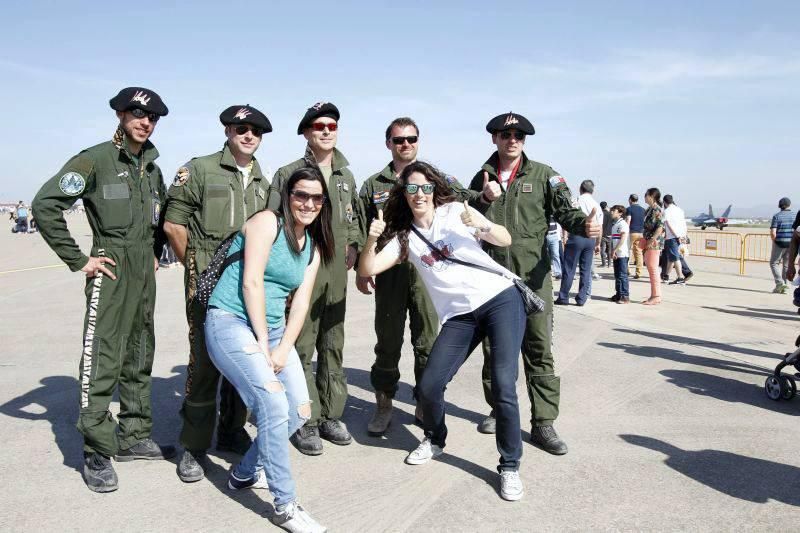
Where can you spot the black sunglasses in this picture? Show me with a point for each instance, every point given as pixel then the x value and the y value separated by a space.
pixel 506 135
pixel 304 197
pixel 412 188
pixel 412 139
pixel 242 129
pixel 141 113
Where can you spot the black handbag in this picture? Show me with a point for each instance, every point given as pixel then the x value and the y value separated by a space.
pixel 533 304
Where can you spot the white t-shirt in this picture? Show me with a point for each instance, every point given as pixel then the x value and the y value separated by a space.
pixel 245 170
pixel 620 227
pixel 674 217
pixel 586 203
pixel 454 289
pixel 504 176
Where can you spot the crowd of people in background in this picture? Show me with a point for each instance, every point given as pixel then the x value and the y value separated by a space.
pixel 632 238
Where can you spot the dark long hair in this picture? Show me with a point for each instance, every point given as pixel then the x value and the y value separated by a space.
pixel 398 215
pixel 320 229
pixel 655 194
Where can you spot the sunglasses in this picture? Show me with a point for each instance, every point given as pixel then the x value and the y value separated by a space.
pixel 412 139
pixel 506 135
pixel 320 126
pixel 242 129
pixel 412 188
pixel 141 113
pixel 303 197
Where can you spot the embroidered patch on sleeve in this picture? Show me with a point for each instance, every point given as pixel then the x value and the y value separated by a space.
pixel 72 184
pixel 555 181
pixel 181 177
pixel 380 197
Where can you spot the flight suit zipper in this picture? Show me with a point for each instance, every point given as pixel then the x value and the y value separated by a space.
pixel 233 206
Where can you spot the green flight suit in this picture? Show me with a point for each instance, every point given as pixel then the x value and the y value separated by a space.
pixel 398 291
pixel 536 194
pixel 207 197
pixel 324 325
pixel 122 195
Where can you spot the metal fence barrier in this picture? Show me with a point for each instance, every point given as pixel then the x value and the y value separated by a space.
pixel 729 245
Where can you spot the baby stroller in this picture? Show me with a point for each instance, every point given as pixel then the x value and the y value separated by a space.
pixel 781 386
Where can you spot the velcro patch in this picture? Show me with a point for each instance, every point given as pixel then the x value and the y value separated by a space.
pixel 72 184
pixel 555 181
pixel 380 197
pixel 527 187
pixel 181 177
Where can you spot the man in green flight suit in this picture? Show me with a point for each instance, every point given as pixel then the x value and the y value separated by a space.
pixel 324 325
pixel 532 193
pixel 122 191
pixel 399 290
pixel 210 198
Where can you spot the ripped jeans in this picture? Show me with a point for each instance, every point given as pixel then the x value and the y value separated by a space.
pixel 275 400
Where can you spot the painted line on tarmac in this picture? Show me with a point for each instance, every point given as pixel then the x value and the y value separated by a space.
pixel 60 265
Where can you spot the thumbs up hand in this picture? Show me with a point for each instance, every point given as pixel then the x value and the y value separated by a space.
pixel 378 226
pixel 473 219
pixel 491 189
pixel 591 226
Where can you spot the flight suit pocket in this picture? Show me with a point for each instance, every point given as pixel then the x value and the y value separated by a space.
pixel 217 208
pixel 115 209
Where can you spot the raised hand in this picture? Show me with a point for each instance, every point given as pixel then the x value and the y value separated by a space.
pixel 491 189
pixel 473 219
pixel 378 226
pixel 591 226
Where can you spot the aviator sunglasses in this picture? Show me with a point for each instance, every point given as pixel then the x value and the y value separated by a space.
pixel 412 188
pixel 141 113
pixel 412 139
pixel 506 135
pixel 303 197
pixel 242 129
pixel 320 126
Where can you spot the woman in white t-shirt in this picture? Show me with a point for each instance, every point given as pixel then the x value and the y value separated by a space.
pixel 472 304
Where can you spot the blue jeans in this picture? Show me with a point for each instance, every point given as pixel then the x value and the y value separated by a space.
pixel 502 320
pixel 274 399
pixel 578 252
pixel 554 247
pixel 621 277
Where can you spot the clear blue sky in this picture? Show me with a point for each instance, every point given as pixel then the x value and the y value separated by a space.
pixel 698 98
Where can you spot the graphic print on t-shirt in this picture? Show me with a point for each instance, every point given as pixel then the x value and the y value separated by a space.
pixel 435 260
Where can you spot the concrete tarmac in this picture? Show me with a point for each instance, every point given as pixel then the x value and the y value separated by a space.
pixel 663 409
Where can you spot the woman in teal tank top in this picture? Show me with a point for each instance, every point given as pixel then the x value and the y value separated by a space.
pixel 252 344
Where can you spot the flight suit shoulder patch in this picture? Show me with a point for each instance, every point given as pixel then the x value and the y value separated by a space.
pixel 72 183
pixel 182 176
pixel 450 179
pixel 556 181
pixel 380 197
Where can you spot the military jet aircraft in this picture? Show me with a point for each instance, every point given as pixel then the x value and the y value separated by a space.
pixel 704 220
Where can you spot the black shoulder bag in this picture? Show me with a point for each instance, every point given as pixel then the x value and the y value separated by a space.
pixel 533 304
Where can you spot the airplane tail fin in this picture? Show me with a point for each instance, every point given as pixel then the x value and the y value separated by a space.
pixel 710 211
pixel 727 211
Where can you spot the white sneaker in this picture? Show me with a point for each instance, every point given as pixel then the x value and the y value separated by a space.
pixel 295 519
pixel 258 481
pixel 424 453
pixel 511 485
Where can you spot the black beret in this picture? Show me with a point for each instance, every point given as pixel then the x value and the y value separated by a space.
pixel 510 121
pixel 141 98
pixel 245 114
pixel 320 109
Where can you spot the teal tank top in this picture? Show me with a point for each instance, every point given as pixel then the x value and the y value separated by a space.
pixel 284 273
